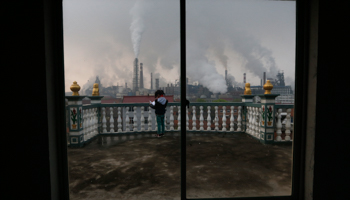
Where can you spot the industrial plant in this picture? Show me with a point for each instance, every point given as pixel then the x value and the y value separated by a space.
pixel 195 90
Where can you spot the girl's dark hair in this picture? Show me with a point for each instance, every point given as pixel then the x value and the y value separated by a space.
pixel 158 92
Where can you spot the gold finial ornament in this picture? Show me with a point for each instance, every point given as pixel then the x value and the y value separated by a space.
pixel 247 90
pixel 95 90
pixel 268 87
pixel 75 89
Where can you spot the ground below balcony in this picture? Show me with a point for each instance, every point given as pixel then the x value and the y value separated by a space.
pixel 145 167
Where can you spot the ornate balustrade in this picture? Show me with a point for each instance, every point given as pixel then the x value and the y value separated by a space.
pixel 266 121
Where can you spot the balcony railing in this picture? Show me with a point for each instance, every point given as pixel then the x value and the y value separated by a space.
pixel 266 121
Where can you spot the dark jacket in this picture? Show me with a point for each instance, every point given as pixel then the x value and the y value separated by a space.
pixel 160 105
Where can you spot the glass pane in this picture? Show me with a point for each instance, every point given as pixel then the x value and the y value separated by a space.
pixel 131 49
pixel 239 139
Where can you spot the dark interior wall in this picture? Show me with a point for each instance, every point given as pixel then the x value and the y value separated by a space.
pixel 26 156
pixel 332 108
pixel 26 159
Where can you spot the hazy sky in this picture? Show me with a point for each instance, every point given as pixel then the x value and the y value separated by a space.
pixel 102 38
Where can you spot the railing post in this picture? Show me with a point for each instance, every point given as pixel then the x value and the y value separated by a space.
pixel 75 123
pixel 247 98
pixel 111 120
pixel 267 128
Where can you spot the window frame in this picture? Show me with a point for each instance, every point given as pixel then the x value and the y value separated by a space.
pixel 56 100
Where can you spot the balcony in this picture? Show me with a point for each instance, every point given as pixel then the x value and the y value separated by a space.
pixel 267 122
pixel 240 149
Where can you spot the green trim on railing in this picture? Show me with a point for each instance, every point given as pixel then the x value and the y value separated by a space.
pixel 87 106
pixel 284 105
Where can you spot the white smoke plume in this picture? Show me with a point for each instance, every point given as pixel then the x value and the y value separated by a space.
pixel 137 27
pixel 201 69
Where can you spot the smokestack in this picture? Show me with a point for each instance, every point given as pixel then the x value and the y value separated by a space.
pixel 244 80
pixel 261 82
pixel 126 85
pixel 151 81
pixel 226 75
pixel 141 75
pixel 264 78
pixel 157 83
pixel 135 82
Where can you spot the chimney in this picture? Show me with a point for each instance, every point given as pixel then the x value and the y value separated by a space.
pixel 135 82
pixel 141 75
pixel 264 78
pixel 226 75
pixel 244 80
pixel 151 81
pixel 126 85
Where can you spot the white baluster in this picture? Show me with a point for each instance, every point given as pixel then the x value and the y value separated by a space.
pixel 135 120
pixel 84 123
pixel 216 119
pixel 209 119
pixel 232 119
pixel 239 119
pixel 288 125
pixel 257 122
pixel 279 126
pixel 127 120
pixel 96 121
pixel 194 124
pixel 253 122
pixel 142 119
pixel 224 118
pixel 179 118
pixel 248 121
pixel 94 127
pixel 104 126
pixel 87 123
pixel 90 124
pixel 149 120
pixel 187 119
pixel 119 120
pixel 201 118
pixel 171 118
pixel 111 120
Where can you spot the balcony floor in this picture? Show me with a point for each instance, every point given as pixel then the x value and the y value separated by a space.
pixel 145 167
